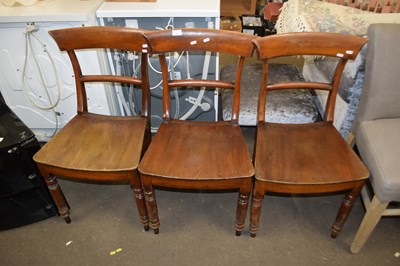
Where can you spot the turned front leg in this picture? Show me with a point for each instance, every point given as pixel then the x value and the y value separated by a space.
pixel 345 209
pixel 151 204
pixel 242 204
pixel 57 195
pixel 255 209
pixel 136 186
pixel 255 213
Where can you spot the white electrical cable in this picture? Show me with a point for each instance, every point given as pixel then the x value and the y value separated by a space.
pixel 135 56
pixel 130 101
pixel 187 66
pixel 177 103
pixel 28 44
pixel 151 87
pixel 25 89
pixel 125 58
pixel 204 75
pixel 131 87
pixel 118 72
pixel 169 69
pixel 159 118
pixel 176 94
pixel 170 24
pixel 158 85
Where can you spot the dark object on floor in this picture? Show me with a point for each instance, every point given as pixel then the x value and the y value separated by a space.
pixel 24 198
pixel 92 147
pixel 305 158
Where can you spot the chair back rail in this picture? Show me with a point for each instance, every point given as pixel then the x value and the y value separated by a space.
pixel 343 47
pixel 200 40
pixel 73 39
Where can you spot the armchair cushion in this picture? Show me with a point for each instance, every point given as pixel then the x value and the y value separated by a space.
pixel 287 106
pixel 379 144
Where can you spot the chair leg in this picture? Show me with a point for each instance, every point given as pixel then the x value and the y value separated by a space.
pixel 242 204
pixel 345 208
pixel 369 222
pixel 136 186
pixel 151 204
pixel 57 195
pixel 255 210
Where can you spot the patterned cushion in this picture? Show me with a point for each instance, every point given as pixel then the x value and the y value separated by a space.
pixel 285 106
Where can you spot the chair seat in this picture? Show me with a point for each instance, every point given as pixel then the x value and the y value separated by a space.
pixel 285 106
pixel 115 144
pixel 379 144
pixel 314 155
pixel 172 155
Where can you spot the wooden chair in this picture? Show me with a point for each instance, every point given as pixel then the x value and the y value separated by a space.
pixel 94 147
pixel 198 155
pixel 306 158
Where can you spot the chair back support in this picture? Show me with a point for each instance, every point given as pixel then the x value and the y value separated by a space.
pixel 200 40
pixel 343 47
pixel 128 39
pixel 381 92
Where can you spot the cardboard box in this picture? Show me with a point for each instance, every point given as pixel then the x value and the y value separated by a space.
pixel 253 24
pixel 272 11
pixel 231 23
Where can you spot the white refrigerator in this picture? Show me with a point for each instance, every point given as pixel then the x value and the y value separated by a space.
pixel 36 79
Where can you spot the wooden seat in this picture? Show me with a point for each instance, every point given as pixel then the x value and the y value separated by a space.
pixel 198 155
pixel 94 147
pixel 305 158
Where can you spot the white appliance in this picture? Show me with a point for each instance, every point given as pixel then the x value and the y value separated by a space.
pixel 36 79
pixel 164 14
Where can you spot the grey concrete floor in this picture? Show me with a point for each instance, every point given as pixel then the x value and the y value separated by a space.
pixel 197 228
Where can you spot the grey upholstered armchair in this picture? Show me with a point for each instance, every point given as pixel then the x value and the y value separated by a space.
pixel 377 127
